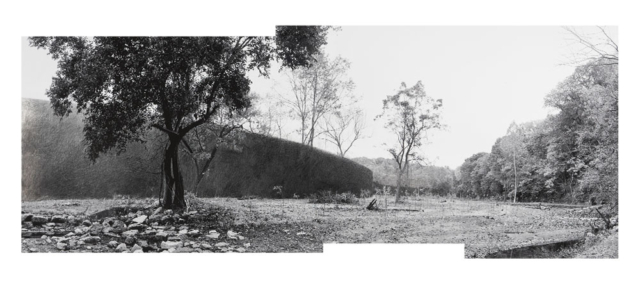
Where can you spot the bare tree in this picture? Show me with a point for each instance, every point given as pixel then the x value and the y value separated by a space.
pixel 316 92
pixel 202 144
pixel 344 129
pixel 409 114
pixel 598 46
pixel 268 122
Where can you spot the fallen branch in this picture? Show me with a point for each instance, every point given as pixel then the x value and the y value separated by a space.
pixel 555 205
pixel 404 210
pixel 373 206
pixel 607 221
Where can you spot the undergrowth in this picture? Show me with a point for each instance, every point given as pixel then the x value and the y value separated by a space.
pixel 330 197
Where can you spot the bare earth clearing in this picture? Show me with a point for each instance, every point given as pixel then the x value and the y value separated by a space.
pixel 295 225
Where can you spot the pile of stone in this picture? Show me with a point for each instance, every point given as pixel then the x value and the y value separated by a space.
pixel 136 232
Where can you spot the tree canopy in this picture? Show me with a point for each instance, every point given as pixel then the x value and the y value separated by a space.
pixel 570 156
pixel 127 85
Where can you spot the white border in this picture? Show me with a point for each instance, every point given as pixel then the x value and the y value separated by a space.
pixel 396 271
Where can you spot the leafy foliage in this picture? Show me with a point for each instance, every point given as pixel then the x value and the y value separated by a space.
pixel 570 156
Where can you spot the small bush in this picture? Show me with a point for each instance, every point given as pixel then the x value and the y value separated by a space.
pixel 365 193
pixel 329 197
pixel 191 199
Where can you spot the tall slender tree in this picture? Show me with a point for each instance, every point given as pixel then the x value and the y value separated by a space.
pixel 513 143
pixel 409 115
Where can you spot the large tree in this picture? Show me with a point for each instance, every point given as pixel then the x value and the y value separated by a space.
pixel 409 114
pixel 128 85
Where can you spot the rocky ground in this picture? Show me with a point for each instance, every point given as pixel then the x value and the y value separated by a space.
pixel 295 225
pixel 149 229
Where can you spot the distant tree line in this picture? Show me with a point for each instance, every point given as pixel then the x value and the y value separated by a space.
pixel 571 156
pixel 420 179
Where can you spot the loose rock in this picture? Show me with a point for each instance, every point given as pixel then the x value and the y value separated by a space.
pixel 169 245
pixel 130 233
pixel 58 219
pixel 140 219
pixel 27 217
pixel 130 240
pixel 39 220
pixel 62 246
pixel 137 226
pixel 232 235
pixel 184 250
pixel 118 226
pixel 213 235
pixel 91 240
pixel 95 229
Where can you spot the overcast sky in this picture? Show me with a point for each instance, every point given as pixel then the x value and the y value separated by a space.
pixel 487 77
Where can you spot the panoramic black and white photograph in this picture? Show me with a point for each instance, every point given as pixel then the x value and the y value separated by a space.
pixel 335 149
pixel 323 134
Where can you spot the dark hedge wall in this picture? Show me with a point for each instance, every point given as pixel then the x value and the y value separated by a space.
pixel 54 165
pixel 261 162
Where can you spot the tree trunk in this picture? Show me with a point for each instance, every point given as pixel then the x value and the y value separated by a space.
pixel 515 178
pixel 173 184
pixel 205 167
pixel 398 185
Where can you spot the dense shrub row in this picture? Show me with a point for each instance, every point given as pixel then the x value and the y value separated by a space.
pixel 259 163
pixel 54 164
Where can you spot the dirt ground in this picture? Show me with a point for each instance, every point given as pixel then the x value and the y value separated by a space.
pixel 295 225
